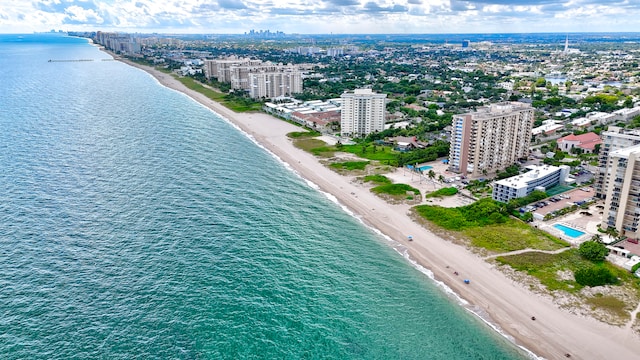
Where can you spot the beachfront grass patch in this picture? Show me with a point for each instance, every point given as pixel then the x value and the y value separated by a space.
pixel 486 225
pixel 483 212
pixel 303 134
pixel 510 236
pixel 545 267
pixel 610 304
pixel 372 152
pixel 350 165
pixel 395 189
pixel 315 146
pixel 377 179
pixel 235 103
pixel 448 191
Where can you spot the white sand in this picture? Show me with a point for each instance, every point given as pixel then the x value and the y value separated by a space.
pixel 554 333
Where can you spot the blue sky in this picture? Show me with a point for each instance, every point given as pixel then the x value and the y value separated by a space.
pixel 321 16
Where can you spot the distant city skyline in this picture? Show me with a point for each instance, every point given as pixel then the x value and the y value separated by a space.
pixel 321 16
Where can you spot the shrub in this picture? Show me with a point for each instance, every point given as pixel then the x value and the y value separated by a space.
pixel 395 189
pixel 448 191
pixel 595 276
pixel 377 179
pixel 350 165
pixel 592 250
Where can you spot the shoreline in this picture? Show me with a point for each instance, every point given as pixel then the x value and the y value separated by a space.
pixel 508 305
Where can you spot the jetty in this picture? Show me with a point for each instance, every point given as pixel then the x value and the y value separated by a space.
pixel 69 60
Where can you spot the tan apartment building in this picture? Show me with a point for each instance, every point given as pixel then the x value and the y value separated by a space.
pixel 260 80
pixel 284 81
pixel 221 69
pixel 363 112
pixel 490 139
pixel 622 205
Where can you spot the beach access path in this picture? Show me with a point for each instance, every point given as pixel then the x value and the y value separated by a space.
pixel 510 306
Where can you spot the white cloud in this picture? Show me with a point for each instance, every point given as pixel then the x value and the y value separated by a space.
pixel 319 16
pixel 78 14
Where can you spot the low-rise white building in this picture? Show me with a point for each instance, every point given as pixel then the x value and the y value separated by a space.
pixel 537 178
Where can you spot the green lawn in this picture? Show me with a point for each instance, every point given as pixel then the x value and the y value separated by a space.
pixel 315 146
pixel 372 152
pixel 350 165
pixel 303 134
pixel 377 179
pixel 486 225
pixel 510 236
pixel 448 191
pixel 545 267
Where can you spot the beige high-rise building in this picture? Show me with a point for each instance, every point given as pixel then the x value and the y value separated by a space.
pixel 363 112
pixel 615 138
pixel 490 139
pixel 260 80
pixel 220 69
pixel 622 206
pixel 280 82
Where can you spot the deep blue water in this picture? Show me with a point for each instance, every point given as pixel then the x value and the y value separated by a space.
pixel 134 223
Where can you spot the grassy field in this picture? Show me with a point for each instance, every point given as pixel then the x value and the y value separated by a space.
pixel 303 134
pixel 350 165
pixel 383 154
pixel 510 236
pixel 448 191
pixel 545 267
pixel 233 103
pixel 377 179
pixel 396 192
pixel 485 224
pixel 315 146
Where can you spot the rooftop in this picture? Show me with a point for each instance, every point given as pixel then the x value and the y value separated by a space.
pixel 624 153
pixel 522 180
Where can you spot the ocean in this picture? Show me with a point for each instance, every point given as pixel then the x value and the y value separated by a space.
pixel 136 223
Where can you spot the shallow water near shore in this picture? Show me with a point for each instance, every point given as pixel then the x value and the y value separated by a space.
pixel 134 223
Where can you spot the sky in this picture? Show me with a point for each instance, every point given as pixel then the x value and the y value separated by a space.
pixel 321 16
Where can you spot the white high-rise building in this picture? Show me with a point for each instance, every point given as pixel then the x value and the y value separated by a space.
pixel 363 112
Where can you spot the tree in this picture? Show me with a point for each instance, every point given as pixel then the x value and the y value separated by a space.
pixel 593 251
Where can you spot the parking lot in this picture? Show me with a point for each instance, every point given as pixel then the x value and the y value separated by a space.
pixel 563 200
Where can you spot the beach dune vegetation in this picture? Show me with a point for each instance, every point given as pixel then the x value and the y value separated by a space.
pixel 395 189
pixel 595 276
pixel 486 224
pixel 377 179
pixel 350 165
pixel 447 191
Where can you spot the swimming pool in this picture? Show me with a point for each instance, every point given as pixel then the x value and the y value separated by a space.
pixel 571 232
pixel 425 167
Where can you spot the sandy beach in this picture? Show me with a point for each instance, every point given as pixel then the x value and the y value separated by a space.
pixel 507 304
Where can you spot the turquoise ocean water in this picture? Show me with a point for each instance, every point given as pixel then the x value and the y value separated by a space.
pixel 135 223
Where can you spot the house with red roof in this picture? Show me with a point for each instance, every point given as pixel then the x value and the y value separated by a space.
pixel 587 142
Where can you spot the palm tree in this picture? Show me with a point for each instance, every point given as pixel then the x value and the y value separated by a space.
pixel 432 174
pixel 597 238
